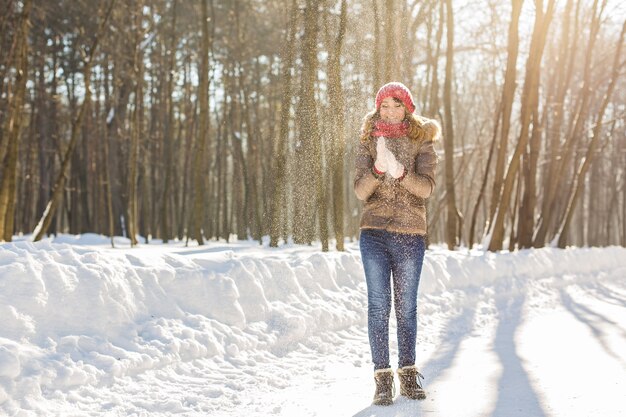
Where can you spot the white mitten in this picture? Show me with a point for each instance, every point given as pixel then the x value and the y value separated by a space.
pixel 381 156
pixel 395 168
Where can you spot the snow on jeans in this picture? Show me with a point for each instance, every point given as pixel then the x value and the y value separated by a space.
pixel 399 257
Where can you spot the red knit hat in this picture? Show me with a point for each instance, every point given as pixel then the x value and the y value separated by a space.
pixel 396 90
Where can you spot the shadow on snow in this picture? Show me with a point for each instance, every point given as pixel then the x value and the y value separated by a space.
pixel 516 395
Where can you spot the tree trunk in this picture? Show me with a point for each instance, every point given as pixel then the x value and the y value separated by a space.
pixel 508 95
pixel 566 69
pixel 57 193
pixel 136 129
pixel 453 215
pixel 13 127
pixel 390 67
pixel 277 209
pixel 253 173
pixel 526 220
pixel 337 135
pixel 224 226
pixel 203 129
pixel 309 179
pixel 578 183
pixel 168 141
pixel 533 66
pixel 433 102
pixel 241 198
pixel 623 240
pixel 483 185
pixel 554 193
pixel 109 196
pixel 376 50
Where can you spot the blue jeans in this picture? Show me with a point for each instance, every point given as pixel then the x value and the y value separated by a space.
pixel 399 257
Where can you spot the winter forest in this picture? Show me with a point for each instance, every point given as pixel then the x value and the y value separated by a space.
pixel 226 119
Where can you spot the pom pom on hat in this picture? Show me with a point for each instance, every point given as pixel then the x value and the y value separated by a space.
pixel 396 90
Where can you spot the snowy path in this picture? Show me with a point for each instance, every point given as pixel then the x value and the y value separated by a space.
pixel 242 330
pixel 535 351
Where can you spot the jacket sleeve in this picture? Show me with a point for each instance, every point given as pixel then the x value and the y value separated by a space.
pixel 421 181
pixel 364 181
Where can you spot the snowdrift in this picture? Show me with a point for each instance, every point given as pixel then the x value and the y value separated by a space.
pixel 75 313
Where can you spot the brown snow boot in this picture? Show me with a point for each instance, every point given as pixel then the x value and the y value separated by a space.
pixel 384 387
pixel 410 383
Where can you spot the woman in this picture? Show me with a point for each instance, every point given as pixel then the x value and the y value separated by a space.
pixel 395 174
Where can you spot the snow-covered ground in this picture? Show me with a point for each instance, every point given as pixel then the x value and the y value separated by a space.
pixel 239 329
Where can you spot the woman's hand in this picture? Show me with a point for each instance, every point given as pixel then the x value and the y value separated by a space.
pixel 381 156
pixel 386 160
pixel 395 168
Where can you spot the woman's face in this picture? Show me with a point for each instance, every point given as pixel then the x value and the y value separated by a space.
pixel 391 111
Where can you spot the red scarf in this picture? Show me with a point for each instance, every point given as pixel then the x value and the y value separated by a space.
pixel 390 130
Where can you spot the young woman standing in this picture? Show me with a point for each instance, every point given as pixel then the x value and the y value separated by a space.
pixel 395 174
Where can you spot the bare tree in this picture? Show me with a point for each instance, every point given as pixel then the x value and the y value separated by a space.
pixel 337 135
pixel 508 96
pixel 309 181
pixel 169 128
pixel 376 50
pixel 13 126
pixel 390 67
pixel 564 73
pixel 577 185
pixel 553 194
pixel 57 193
pixel 453 215
pixel 203 88
pixel 278 221
pixel 529 101
pixel 137 124
pixel 273 157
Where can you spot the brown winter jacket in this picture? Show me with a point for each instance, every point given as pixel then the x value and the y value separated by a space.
pixel 397 206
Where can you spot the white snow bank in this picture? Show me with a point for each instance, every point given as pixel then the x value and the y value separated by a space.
pixel 447 270
pixel 79 314
pixel 74 315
